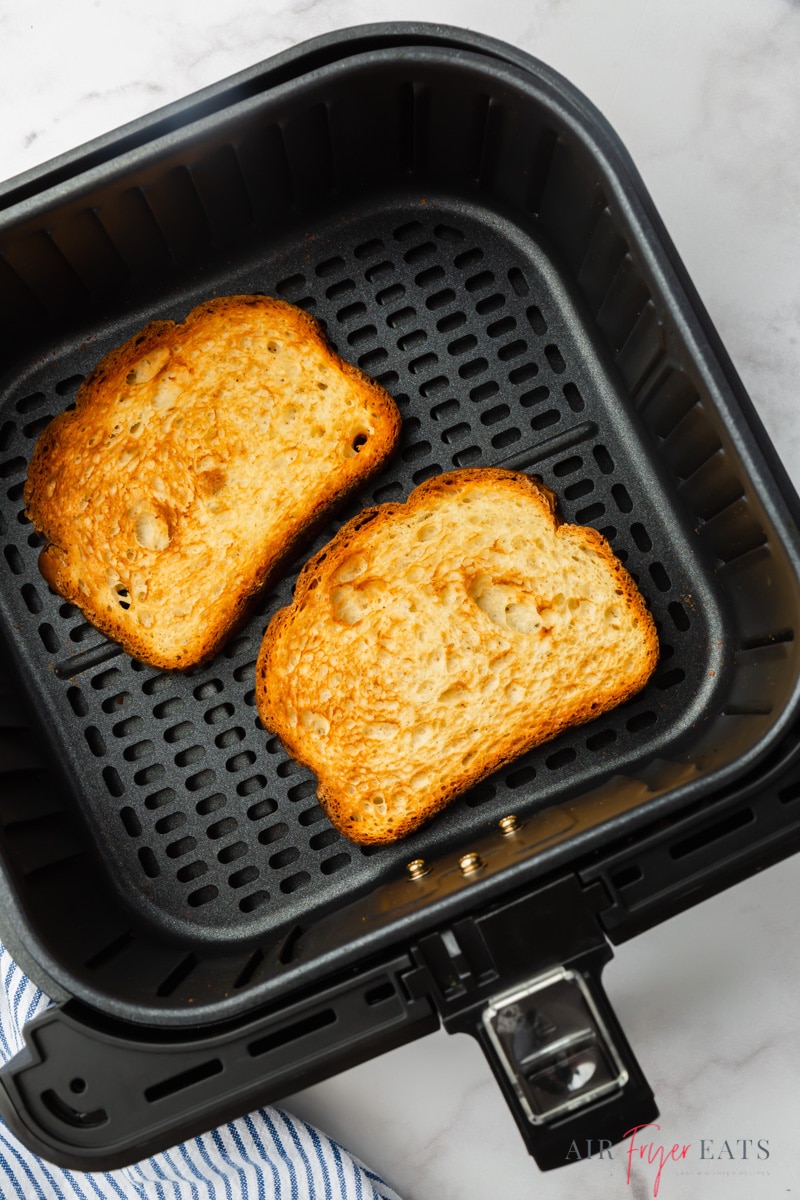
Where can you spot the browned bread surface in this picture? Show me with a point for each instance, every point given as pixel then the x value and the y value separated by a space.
pixel 198 457
pixel 432 642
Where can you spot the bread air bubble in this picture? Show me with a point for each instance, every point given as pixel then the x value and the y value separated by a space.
pixel 315 722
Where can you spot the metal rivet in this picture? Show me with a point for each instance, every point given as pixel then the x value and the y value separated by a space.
pixel 468 863
pixel 509 824
pixel 417 868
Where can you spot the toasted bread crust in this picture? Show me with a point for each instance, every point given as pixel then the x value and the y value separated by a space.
pixel 197 461
pixel 288 642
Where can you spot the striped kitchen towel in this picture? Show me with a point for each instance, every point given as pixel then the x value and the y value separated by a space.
pixel 267 1155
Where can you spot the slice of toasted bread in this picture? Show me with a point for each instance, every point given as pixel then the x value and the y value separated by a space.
pixel 198 457
pixel 433 641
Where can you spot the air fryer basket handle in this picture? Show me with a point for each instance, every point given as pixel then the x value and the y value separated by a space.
pixel 524 980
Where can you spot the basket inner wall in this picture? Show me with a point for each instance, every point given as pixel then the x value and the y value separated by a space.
pixel 500 347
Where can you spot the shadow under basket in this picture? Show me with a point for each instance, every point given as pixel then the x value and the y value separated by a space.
pixel 471 233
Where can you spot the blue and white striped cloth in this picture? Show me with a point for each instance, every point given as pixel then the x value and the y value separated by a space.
pixel 267 1155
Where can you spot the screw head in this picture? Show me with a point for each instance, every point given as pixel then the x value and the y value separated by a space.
pixel 469 863
pixel 417 868
pixel 509 824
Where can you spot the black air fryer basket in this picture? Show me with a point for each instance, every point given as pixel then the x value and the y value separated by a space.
pixel 472 234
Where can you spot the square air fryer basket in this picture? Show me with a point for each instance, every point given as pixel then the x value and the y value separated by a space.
pixel 472 234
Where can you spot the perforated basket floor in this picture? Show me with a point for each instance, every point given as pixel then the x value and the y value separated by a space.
pixel 205 824
pixel 472 235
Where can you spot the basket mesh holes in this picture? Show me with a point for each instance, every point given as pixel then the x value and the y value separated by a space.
pixel 174 820
pixel 376 274
pixel 410 341
pixel 573 397
pixel 211 687
pixel 31 403
pixel 669 679
pixel 203 895
pixel 462 345
pixel 189 756
pixel 389 295
pixel 456 433
pixel 521 777
pixel 46 632
pixel 220 829
pixel 484 391
pixel 350 312
pixel 490 304
pixel 230 853
pixel 150 774
pixel 294 285
pixel 416 451
pixel 585 516
pixel 451 322
pixel 243 877
pixel 482 793
pixel 512 350
pixel 599 741
pixel 160 798
pixel 273 833
pixel 568 466
pixel 293 883
pixel 310 816
pixel 680 618
pixel 447 408
pixel 253 901
pixel 131 822
pixel 191 871
pixel 200 780
pixel 365 333
pixel 419 253
pixel 156 684
pixel 94 740
pixel 621 498
pixel 641 721
pixel 336 862
pixel 641 537
pixel 70 385
pixel 440 299
pixel 518 282
pixel 576 490
pixel 138 751
pixel 251 785
pixel 301 791
pixel 555 359
pixel 523 373
pixel 113 704
pixel 544 420
pixel 211 804
pixel 230 737
pixel 506 438
pixel 180 847
pixel 262 808
pixel 475 366
pixel 320 840
pixel 77 701
pixel 660 577
pixel 468 457
pixel 34 428
pixel 239 762
pixel 113 782
pixel 168 708
pixel 329 267
pixel 149 862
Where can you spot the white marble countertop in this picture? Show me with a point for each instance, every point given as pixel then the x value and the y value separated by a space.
pixel 707 98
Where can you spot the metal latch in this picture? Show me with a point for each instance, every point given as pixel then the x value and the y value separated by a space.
pixel 554 1046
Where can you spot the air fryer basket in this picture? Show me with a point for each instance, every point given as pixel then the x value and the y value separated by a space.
pixel 470 233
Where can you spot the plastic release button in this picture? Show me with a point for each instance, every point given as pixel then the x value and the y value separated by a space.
pixel 553 1045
